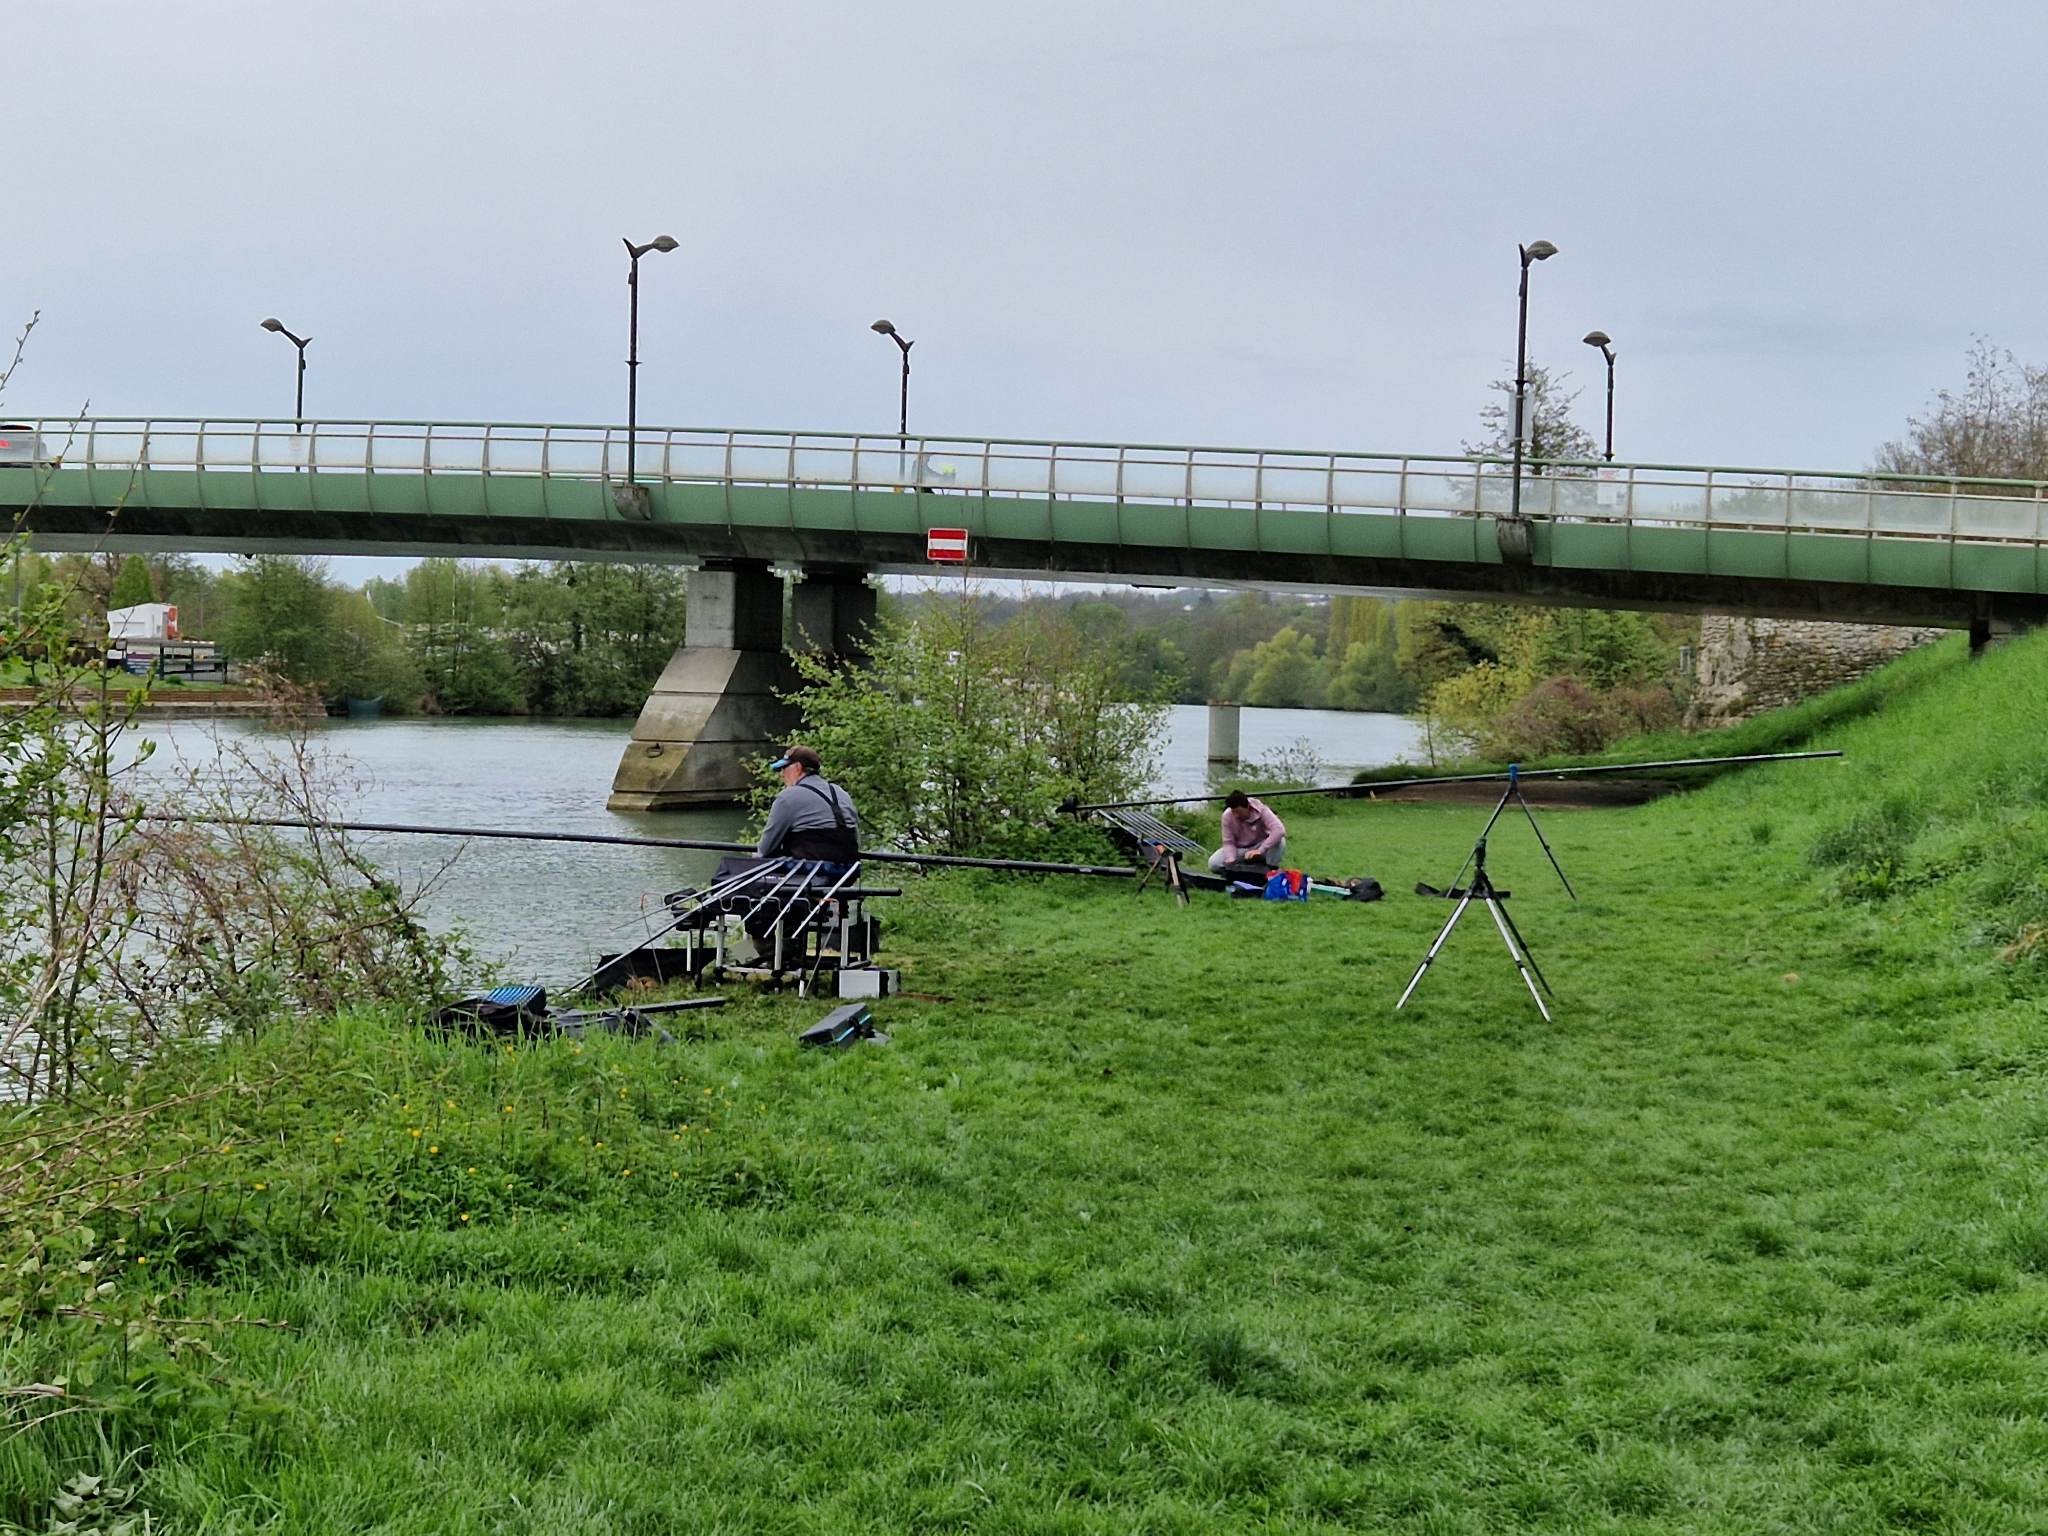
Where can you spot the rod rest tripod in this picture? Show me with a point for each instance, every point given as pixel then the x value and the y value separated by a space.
pixel 1482 890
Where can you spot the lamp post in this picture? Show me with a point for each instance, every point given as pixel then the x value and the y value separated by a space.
pixel 299 397
pixel 1605 343
pixel 887 328
pixel 1514 537
pixel 631 498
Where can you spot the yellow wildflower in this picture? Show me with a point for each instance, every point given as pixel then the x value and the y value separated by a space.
pixel 431 1151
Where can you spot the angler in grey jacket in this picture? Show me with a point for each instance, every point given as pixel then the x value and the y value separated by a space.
pixel 812 818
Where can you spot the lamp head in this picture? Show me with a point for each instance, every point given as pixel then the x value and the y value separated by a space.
pixel 884 327
pixel 663 242
pixel 1598 339
pixel 273 325
pixel 1538 250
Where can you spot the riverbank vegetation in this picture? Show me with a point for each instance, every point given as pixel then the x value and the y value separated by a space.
pixel 1152 1218
pixel 962 735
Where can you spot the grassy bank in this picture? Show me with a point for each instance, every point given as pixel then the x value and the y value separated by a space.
pixel 1162 1220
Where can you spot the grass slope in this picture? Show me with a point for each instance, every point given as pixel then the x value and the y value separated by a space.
pixel 1165 1221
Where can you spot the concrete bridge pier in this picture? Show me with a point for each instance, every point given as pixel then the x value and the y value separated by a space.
pixel 715 710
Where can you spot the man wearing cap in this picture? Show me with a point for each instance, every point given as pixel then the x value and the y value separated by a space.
pixel 812 818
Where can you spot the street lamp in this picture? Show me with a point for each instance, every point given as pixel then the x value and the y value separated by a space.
pixel 631 499
pixel 888 328
pixel 299 398
pixel 1516 543
pixel 1605 343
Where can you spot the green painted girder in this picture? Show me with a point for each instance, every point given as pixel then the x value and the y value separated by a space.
pixel 1890 548
pixel 532 511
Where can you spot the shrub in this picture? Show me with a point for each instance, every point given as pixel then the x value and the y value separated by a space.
pixel 960 737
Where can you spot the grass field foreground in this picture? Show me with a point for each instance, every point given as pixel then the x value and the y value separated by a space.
pixel 1160 1220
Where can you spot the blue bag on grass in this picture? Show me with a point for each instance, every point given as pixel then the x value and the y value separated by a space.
pixel 1287 885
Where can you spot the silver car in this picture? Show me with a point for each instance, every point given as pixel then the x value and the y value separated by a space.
pixel 22 445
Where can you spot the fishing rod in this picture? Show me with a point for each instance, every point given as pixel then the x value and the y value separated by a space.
pixel 1373 787
pixel 824 901
pixel 716 894
pixel 622 840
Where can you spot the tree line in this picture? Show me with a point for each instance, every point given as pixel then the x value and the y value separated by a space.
pixel 449 637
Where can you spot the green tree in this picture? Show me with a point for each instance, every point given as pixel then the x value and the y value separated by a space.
pixel 132 586
pixel 369 658
pixel 194 590
pixel 1606 649
pixel 1281 673
pixel 589 639
pixel 453 610
pixel 963 736
pixel 282 617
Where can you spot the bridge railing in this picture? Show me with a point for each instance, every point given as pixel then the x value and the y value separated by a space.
pixel 1332 482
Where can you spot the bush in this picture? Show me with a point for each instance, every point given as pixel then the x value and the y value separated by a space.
pixel 960 737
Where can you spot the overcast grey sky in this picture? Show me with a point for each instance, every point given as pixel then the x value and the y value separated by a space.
pixel 1282 225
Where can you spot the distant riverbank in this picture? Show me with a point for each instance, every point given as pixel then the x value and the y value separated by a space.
pixel 170 703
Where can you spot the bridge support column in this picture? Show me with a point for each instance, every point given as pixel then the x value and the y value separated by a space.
pixel 831 610
pixel 1223 732
pixel 1986 631
pixel 716 709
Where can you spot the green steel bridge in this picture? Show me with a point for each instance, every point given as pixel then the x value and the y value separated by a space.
pixel 1851 546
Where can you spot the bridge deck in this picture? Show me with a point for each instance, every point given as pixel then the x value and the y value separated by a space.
pixel 1630 534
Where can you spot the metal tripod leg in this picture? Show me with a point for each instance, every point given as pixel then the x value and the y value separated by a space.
pixel 1428 959
pixel 1526 811
pixel 1500 921
pixel 1527 953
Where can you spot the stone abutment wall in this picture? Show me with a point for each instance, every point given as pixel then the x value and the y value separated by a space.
pixel 1747 666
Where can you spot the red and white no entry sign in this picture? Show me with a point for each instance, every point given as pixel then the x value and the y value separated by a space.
pixel 947 544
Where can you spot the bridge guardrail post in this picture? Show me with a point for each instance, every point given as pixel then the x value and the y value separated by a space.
pixel 1952 540
pixel 1330 506
pixel 1121 453
pixel 987 454
pixel 1052 480
pixel 1259 502
pixel 199 466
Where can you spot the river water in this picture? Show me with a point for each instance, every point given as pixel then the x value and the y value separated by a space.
pixel 542 911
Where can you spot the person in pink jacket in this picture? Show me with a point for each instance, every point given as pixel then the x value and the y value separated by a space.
pixel 1251 834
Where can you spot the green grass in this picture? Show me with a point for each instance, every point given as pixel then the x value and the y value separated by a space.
pixel 1163 1220
pixel 16 674
pixel 1785 730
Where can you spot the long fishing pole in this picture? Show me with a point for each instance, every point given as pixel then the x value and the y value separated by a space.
pixel 710 896
pixel 1373 787
pixel 621 840
pixel 824 901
